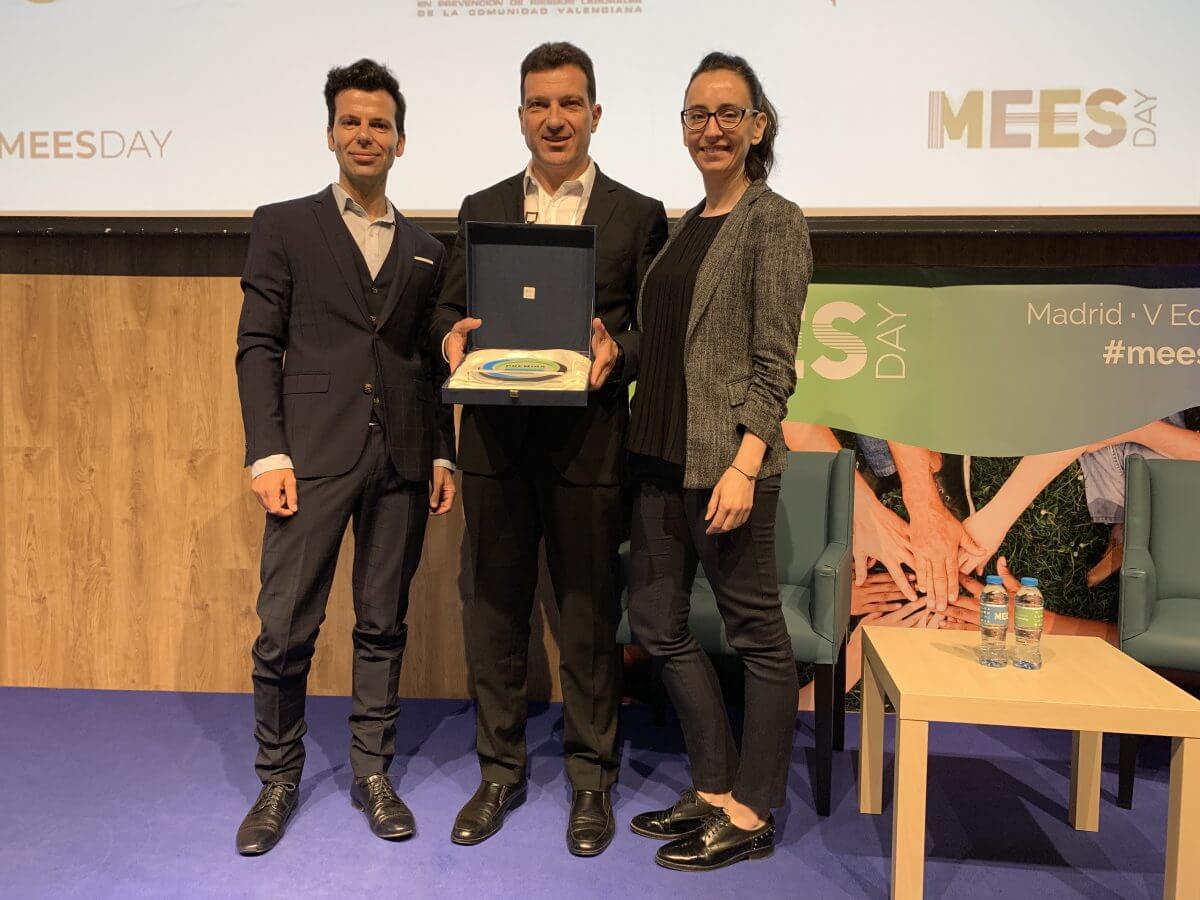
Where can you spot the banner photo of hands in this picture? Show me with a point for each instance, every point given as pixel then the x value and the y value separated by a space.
pixel 992 424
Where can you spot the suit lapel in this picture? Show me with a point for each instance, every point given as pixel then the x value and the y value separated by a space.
pixel 514 199
pixel 601 204
pixel 718 258
pixel 341 246
pixel 405 244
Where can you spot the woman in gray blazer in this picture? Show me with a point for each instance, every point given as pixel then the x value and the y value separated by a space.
pixel 719 315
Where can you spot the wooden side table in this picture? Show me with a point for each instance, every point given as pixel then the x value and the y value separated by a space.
pixel 1086 686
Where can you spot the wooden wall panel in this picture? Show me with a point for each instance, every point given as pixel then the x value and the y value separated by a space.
pixel 129 540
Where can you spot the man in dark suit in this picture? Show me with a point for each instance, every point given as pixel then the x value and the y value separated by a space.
pixel 336 381
pixel 553 473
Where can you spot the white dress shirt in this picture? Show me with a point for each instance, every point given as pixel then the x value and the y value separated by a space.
pixel 373 237
pixel 566 206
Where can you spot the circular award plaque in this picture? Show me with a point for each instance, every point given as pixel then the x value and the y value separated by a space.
pixel 522 368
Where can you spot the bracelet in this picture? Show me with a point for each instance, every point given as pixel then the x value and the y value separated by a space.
pixel 740 472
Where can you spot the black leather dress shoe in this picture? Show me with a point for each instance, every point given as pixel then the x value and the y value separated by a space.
pixel 718 843
pixel 591 826
pixel 485 811
pixel 390 819
pixel 686 816
pixel 263 826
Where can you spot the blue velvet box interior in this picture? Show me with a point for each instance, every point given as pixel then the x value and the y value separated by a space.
pixel 534 288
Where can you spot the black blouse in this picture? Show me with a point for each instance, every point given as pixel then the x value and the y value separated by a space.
pixel 658 425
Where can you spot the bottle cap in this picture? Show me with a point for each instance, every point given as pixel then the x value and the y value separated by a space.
pixel 995 579
pixel 1029 582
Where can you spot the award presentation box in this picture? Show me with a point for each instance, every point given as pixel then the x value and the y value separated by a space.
pixel 534 289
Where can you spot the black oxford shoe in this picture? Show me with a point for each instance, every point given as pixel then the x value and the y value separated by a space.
pixel 484 813
pixel 390 819
pixel 591 826
pixel 686 816
pixel 716 844
pixel 263 826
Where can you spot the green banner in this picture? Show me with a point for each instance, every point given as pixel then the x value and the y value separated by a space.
pixel 996 370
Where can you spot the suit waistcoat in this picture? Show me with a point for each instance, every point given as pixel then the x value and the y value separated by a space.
pixel 375 291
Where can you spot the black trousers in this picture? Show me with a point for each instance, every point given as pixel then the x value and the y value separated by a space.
pixel 668 541
pixel 507 516
pixel 298 558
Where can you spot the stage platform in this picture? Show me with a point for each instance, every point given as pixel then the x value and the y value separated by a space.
pixel 124 795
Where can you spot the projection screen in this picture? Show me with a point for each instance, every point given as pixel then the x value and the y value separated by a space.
pixel 212 107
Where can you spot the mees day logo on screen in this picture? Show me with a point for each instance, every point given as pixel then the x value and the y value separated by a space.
pixel 87 143
pixel 1043 119
pixel 83 143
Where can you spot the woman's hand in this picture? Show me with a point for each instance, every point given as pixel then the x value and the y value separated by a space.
pixel 908 615
pixel 963 612
pixel 877 594
pixel 731 502
pixel 881 535
pixel 983 533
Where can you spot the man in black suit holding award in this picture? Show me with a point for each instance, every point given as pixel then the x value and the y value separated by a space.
pixel 336 378
pixel 551 472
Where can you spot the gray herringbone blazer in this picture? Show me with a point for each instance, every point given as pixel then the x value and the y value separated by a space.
pixel 740 348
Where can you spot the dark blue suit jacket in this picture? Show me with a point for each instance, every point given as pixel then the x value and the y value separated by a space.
pixel 308 347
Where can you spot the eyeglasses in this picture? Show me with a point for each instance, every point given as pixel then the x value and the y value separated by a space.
pixel 695 118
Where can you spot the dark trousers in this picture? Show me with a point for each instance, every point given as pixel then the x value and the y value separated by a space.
pixel 507 516
pixel 668 541
pixel 298 558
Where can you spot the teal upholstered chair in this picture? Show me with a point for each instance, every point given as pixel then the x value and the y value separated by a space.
pixel 1160 578
pixel 815 570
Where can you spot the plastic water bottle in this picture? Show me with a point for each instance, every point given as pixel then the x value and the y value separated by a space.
pixel 1028 612
pixel 993 623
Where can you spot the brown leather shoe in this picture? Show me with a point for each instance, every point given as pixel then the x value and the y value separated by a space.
pixel 1110 562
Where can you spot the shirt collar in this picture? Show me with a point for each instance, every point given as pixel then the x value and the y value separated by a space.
pixel 581 185
pixel 346 202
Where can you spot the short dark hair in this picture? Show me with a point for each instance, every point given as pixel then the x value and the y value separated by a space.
pixel 761 157
pixel 364 75
pixel 555 55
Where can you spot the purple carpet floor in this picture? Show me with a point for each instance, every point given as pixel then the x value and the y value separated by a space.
pixel 114 794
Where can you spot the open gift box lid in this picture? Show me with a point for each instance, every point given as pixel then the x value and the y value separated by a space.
pixel 534 289
pixel 533 286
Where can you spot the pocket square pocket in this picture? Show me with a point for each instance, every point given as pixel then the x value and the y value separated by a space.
pixel 428 262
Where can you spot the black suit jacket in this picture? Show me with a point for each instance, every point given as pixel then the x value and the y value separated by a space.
pixel 585 444
pixel 308 346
